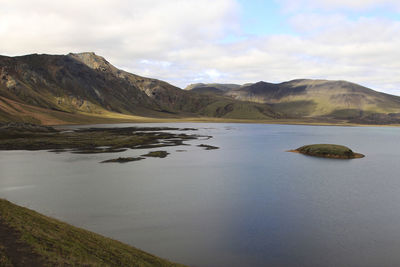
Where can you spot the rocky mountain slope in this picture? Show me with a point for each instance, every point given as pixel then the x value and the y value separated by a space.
pixel 86 88
pixel 72 88
pixel 62 83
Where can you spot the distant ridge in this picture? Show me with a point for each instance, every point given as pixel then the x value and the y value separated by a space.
pixel 322 99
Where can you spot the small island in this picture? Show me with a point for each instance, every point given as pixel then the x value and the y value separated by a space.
pixel 208 147
pixel 328 151
pixel 156 154
pixel 122 160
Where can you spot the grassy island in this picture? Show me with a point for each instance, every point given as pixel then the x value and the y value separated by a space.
pixel 328 151
pixel 28 238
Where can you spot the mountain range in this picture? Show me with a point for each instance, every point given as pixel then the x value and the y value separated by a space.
pixel 86 88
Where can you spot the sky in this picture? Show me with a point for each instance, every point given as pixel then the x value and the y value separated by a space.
pixel 224 41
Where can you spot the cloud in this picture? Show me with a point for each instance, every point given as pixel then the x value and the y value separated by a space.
pixel 291 5
pixel 363 51
pixel 135 28
pixel 181 41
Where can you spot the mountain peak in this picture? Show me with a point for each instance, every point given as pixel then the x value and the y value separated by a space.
pixel 92 60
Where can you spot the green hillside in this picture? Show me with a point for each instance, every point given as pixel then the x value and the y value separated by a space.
pixel 32 239
pixel 336 98
pixel 318 99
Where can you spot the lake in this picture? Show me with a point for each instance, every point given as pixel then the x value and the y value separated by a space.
pixel 249 203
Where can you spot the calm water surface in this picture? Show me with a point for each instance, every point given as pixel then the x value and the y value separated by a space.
pixel 249 203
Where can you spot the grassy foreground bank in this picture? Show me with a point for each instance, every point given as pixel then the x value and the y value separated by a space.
pixel 28 238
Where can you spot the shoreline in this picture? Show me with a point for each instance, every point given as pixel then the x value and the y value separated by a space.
pixel 233 121
pixel 328 156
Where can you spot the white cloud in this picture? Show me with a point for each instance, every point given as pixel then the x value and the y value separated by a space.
pixel 180 40
pixel 363 51
pixel 113 27
pixel 164 64
pixel 291 5
pixel 311 22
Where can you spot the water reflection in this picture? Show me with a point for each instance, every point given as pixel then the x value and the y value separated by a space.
pixel 249 203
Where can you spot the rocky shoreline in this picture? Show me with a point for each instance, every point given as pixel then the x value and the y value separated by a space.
pixel 22 136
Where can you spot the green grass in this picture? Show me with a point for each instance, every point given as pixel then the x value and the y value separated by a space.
pixel 295 108
pixel 4 260
pixel 61 244
pixel 346 113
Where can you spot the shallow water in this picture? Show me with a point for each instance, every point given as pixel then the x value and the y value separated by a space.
pixel 249 203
